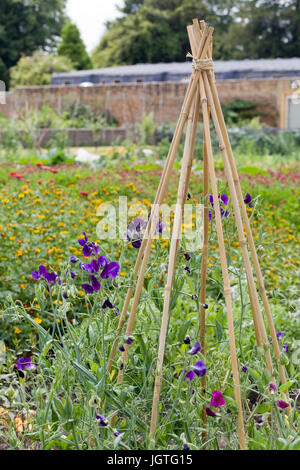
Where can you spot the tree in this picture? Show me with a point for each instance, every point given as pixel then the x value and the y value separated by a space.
pixel 27 25
pixel 267 29
pixel 38 68
pixel 72 46
pixel 155 30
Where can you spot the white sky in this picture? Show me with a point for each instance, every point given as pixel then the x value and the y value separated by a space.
pixel 90 17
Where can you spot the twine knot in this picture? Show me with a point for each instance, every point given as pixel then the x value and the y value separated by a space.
pixel 201 65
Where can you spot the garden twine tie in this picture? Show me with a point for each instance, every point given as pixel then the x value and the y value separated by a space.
pixel 201 65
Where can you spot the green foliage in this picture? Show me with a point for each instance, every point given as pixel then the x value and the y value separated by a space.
pixel 69 338
pixel 155 30
pixel 72 46
pixel 147 128
pixel 239 110
pixel 38 68
pixel 28 25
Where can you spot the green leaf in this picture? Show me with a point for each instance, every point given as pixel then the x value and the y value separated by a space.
pixel 286 386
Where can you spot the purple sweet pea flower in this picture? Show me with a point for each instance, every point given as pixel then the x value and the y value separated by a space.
pixel 107 304
pixel 272 388
pixel 285 348
pixel 185 446
pixel 25 363
pixel 87 288
pixel 187 256
pixel 128 339
pixel 200 368
pixel 121 348
pixel 88 248
pixel 187 340
pixel 282 404
pixel 73 259
pixel 111 270
pixel 95 283
pixel 35 275
pixel 248 200
pixel 102 420
pixel 50 277
pixel 224 199
pixel 279 334
pixel 217 399
pixel 210 412
pixel 195 348
pixel 190 375
pixel 245 369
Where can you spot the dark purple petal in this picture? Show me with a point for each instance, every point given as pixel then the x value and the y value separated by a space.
pixel 107 304
pixel 190 375
pixel 23 363
pixel 272 387
pixel 279 334
pixel 95 283
pixel 128 339
pixel 102 420
pixel 87 250
pixel 87 288
pixel 245 369
pixel 136 244
pixel 211 199
pixel 187 340
pixel 43 271
pixel 224 199
pixel 195 348
pixel 210 412
pixel 282 404
pixel 187 256
pixel 102 261
pixel 200 368
pixel 111 270
pixel 73 259
pixel 285 348
pixel 217 399
pixel 35 275
pixel 248 199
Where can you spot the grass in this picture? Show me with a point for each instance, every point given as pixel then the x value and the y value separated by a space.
pixel 44 210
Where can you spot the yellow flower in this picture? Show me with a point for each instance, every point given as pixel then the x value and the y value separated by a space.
pixel 17 331
pixel 38 320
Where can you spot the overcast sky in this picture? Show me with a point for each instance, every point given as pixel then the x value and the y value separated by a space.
pixel 90 17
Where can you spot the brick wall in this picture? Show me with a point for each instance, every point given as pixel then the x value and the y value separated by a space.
pixel 128 103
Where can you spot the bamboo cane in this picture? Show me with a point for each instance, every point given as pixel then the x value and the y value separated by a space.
pixel 147 240
pixel 181 196
pixel 227 290
pixel 202 50
pixel 194 34
pixel 257 268
pixel 197 32
pixel 257 315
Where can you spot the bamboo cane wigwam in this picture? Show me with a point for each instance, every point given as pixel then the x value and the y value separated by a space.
pixel 202 92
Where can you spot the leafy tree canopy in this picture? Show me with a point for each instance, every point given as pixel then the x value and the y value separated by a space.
pixel 27 25
pixel 155 30
pixel 38 68
pixel 72 46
